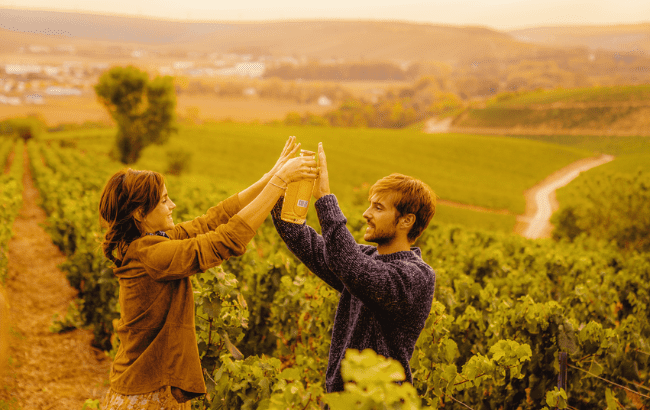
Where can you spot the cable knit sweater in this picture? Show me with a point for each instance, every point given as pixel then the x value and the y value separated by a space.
pixel 385 299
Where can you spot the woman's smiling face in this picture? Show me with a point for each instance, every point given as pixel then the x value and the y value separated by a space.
pixel 160 219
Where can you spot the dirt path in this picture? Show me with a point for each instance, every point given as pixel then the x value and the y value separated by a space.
pixel 541 201
pixel 437 126
pixel 46 371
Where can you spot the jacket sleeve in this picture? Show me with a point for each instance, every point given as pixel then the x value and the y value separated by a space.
pixel 392 287
pixel 217 215
pixel 168 259
pixel 308 246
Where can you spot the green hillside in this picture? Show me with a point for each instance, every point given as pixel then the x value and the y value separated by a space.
pixel 594 110
pixel 486 171
pixel 602 95
pixel 632 153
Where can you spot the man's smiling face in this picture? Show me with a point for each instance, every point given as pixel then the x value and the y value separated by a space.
pixel 381 216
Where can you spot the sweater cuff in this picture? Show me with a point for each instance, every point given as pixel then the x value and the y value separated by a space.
pixel 276 212
pixel 328 210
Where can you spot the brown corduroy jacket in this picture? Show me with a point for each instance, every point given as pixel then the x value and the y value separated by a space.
pixel 156 329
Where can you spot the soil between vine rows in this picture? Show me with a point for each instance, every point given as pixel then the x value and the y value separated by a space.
pixel 44 370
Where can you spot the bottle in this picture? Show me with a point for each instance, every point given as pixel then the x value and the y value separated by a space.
pixel 296 201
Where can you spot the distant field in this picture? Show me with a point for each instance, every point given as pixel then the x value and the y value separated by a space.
pixel 607 120
pixel 86 108
pixel 213 108
pixel 60 110
pixel 487 171
pixel 632 153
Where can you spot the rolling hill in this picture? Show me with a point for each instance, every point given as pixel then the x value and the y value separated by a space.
pixel 626 38
pixel 615 110
pixel 359 40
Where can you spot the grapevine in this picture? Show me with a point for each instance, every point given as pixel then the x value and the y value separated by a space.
pixel 504 308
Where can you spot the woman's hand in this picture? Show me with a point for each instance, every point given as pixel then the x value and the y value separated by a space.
pixel 322 185
pixel 288 152
pixel 298 168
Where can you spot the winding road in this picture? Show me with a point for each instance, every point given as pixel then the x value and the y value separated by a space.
pixel 541 201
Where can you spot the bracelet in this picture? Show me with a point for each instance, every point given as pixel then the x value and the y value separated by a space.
pixel 285 182
pixel 283 188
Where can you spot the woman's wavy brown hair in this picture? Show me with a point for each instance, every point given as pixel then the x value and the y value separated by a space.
pixel 125 193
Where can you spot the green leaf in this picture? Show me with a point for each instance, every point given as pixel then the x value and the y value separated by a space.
pixel 290 373
pixel 612 403
pixel 341 401
pixel 369 366
pixel 595 368
pixel 451 350
pixel 450 373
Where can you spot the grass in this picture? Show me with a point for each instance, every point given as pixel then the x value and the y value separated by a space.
pixel 602 144
pixel 478 170
pixel 472 219
pixel 632 153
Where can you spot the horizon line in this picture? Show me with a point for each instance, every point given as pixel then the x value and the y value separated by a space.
pixel 311 19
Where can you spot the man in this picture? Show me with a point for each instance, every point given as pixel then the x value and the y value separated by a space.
pixel 387 290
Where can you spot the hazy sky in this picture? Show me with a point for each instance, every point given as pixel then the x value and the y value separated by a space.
pixel 499 14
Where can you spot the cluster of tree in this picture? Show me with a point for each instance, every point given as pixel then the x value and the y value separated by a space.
pixel 396 109
pixel 466 79
pixel 480 78
pixel 375 71
pixel 274 88
pixel 25 128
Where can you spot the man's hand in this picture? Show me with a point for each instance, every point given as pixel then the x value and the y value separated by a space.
pixel 322 185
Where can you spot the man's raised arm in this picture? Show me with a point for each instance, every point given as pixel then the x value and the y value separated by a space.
pixel 308 246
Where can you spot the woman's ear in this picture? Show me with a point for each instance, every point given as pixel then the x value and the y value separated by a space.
pixel 139 215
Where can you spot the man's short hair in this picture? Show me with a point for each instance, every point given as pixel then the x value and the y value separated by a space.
pixel 409 196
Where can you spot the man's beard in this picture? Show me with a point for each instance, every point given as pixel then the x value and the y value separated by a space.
pixel 380 237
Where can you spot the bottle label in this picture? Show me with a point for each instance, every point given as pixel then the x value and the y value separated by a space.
pixel 302 203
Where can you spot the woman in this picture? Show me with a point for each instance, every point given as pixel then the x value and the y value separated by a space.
pixel 157 364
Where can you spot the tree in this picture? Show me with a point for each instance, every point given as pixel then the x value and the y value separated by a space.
pixel 143 109
pixel 26 127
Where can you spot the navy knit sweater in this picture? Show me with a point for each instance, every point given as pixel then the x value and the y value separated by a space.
pixel 385 299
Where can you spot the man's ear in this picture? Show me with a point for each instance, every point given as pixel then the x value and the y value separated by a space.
pixel 407 221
